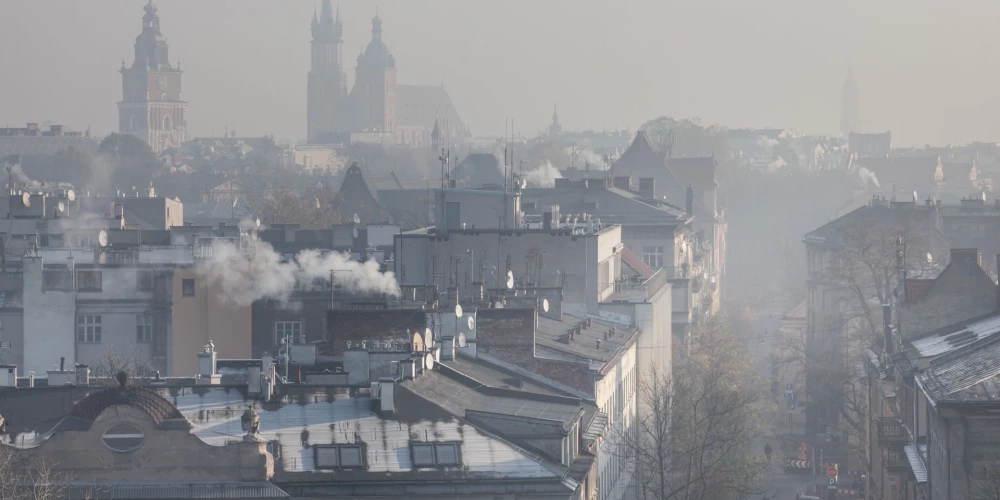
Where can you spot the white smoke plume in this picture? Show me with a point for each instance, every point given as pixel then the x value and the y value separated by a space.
pixel 544 176
pixel 264 275
pixel 867 176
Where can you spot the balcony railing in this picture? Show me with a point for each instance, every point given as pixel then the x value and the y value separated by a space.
pixel 895 462
pixel 891 432
pixel 634 291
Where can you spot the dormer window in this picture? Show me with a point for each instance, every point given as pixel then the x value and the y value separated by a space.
pixel 436 455
pixel 339 456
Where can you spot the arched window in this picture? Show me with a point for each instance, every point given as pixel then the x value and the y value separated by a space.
pixel 131 122
pixel 167 123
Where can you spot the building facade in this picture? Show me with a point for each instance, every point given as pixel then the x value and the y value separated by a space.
pixel 152 106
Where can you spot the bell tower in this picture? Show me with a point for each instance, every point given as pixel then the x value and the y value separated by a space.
pixel 327 85
pixel 375 85
pixel 152 107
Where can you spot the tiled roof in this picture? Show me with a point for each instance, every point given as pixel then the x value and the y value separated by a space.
pixel 93 405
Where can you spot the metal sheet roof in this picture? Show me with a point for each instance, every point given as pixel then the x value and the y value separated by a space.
pixel 964 374
pixel 948 339
pixel 341 415
pixel 457 397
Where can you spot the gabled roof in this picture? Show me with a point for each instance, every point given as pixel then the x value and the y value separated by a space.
pixel 641 155
pixel 354 197
pixel 917 289
pixel 421 105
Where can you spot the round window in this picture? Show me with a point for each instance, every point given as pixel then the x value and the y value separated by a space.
pixel 123 438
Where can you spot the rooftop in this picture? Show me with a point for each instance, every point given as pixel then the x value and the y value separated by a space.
pixel 555 337
pixel 965 374
pixel 950 338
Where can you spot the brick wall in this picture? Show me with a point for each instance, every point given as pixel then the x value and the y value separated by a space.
pixel 507 334
pixel 385 324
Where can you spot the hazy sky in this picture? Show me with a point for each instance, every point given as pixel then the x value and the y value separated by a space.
pixel 926 69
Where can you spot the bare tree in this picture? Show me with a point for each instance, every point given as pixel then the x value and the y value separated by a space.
pixel 28 479
pixel 986 486
pixel 861 258
pixel 113 365
pixel 692 438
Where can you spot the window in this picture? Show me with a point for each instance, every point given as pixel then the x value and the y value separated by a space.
pixel 88 328
pixel 144 327
pixel 144 280
pixel 123 438
pixel 187 287
pixel 527 206
pixel 590 205
pixel 57 280
pixel 339 456
pixel 287 329
pixel 653 256
pixel 88 281
pixel 435 454
pixel 167 124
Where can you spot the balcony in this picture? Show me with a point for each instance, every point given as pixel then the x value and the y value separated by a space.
pixel 891 433
pixel 895 462
pixel 636 290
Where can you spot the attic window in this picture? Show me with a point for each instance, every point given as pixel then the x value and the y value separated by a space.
pixel 123 438
pixel 339 456
pixel 435 454
pixel 590 205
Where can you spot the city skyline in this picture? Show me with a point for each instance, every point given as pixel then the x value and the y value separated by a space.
pixel 742 74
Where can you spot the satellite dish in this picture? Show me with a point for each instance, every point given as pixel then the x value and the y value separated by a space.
pixel 460 339
pixel 458 310
pixel 510 282
pixel 429 338
pixel 545 305
pixel 317 205
pixel 498 305
pixel 510 275
pixel 26 199
pixel 930 258
pixel 102 238
pixel 61 207
pixel 355 232
pixel 257 221
pixel 418 342
pixel 471 323
pixel 524 183
pixel 357 220
pixel 429 361
pixel 70 195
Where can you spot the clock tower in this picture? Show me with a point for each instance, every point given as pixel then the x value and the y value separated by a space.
pixel 152 107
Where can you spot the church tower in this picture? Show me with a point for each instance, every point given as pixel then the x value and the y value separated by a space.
pixel 327 81
pixel 374 92
pixel 152 107
pixel 849 105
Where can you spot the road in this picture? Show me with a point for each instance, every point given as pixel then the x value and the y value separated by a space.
pixel 777 484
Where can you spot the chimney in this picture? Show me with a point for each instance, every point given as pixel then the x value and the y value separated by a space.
pixel 206 366
pixel 253 380
pixel 624 183
pixel 647 187
pixel 8 376
pixel 82 375
pixel 386 395
pixel 890 346
pixel 689 201
pixel 966 256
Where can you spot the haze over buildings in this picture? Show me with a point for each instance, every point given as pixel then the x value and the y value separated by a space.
pixel 249 70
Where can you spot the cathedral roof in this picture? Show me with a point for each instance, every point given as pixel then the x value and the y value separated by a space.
pixel 421 105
